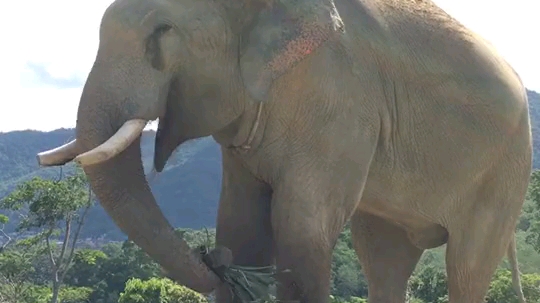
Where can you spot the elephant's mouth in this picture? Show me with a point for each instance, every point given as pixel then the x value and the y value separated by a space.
pixel 171 130
pixel 163 145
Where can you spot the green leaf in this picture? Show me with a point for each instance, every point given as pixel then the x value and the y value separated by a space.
pixel 4 219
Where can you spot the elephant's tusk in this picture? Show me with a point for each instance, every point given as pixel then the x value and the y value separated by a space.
pixel 116 144
pixel 58 156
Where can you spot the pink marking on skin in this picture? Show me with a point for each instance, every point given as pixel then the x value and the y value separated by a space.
pixel 311 37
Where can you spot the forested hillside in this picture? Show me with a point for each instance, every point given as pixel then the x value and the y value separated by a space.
pixel 187 190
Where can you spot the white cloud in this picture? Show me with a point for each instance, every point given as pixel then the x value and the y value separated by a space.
pixel 62 36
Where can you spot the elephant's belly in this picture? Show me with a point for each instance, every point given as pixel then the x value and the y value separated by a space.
pixel 421 231
pixel 418 214
pixel 430 236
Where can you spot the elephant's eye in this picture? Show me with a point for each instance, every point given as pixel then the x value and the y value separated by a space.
pixel 161 29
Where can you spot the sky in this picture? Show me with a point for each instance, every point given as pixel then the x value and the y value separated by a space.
pixel 49 48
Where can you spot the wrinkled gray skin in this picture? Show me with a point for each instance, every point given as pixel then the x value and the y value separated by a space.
pixel 406 122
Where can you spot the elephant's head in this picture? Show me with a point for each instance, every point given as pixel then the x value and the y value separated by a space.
pixel 194 64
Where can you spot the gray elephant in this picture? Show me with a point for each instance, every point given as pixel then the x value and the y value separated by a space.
pixel 388 113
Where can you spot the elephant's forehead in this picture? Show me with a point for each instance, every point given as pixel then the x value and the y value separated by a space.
pixel 128 14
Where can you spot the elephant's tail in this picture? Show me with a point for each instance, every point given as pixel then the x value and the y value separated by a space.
pixel 516 280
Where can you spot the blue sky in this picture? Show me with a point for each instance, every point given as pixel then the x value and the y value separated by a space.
pixel 49 47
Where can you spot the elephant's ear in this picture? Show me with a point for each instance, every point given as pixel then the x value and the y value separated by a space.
pixel 283 34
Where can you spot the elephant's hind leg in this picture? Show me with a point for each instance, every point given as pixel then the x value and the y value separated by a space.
pixel 472 255
pixel 387 257
pixel 479 239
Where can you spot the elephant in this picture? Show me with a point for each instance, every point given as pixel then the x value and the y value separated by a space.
pixel 390 115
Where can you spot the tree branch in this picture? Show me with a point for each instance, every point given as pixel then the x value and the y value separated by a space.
pixel 60 174
pixel 76 236
pixel 49 248
pixel 66 240
pixel 5 236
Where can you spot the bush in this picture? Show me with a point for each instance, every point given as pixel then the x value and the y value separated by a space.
pixel 429 285
pixel 74 294
pixel 350 300
pixel 501 291
pixel 158 290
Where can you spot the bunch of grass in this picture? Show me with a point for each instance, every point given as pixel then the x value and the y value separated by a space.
pixel 249 284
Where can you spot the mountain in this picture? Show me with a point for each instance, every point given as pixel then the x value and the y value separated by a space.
pixel 187 190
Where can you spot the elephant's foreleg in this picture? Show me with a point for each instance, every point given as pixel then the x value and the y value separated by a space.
pixel 387 257
pixel 243 223
pixel 304 244
pixel 307 218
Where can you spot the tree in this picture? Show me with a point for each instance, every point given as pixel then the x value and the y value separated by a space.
pixel 75 294
pixel 52 208
pixel 347 277
pixel 87 268
pixel 158 290
pixel 107 270
pixel 533 237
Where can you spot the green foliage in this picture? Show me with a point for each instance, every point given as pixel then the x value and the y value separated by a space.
pixel 39 294
pixel 75 294
pixel 429 284
pixel 16 265
pixel 16 270
pixel 49 202
pixel 158 290
pixel 108 273
pixel 52 208
pixel 86 267
pixel 198 238
pixel 533 237
pixel 43 294
pixel 347 276
pixel 100 276
pixel 334 299
pixel 4 219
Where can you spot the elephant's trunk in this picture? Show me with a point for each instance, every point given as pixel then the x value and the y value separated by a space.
pixel 116 175
pixel 122 190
